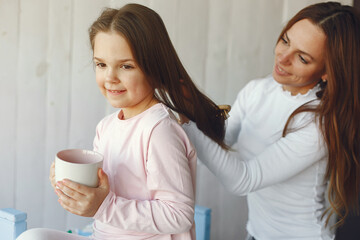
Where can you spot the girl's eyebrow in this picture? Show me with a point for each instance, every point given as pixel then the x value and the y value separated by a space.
pixel 300 51
pixel 120 60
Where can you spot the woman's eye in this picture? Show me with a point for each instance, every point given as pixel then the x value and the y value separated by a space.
pixel 284 40
pixel 303 60
pixel 101 65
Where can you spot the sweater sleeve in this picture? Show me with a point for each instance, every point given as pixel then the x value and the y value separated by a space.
pixel 283 159
pixel 171 187
pixel 237 113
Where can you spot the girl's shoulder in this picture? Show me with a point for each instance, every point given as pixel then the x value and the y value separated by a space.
pixel 108 120
pixel 159 113
pixel 161 125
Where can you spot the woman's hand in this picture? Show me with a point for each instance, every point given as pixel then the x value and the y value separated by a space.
pixel 80 199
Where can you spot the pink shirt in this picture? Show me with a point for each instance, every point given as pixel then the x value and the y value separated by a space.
pixel 151 166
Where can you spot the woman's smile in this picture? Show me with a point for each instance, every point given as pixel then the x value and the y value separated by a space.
pixel 280 71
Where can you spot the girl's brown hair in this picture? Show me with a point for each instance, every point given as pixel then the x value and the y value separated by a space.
pixel 338 113
pixel 153 51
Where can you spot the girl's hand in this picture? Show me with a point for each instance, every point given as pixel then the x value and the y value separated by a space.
pixel 52 175
pixel 80 199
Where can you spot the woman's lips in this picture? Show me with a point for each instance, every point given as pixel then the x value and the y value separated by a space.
pixel 281 71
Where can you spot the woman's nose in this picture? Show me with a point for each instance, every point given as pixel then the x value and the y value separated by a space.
pixel 284 58
pixel 111 75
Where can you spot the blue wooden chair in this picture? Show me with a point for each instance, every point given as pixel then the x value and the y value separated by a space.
pixel 13 223
pixel 202 222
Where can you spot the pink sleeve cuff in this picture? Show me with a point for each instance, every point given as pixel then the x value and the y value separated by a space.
pixel 102 209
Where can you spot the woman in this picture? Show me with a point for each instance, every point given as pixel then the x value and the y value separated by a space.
pixel 297 131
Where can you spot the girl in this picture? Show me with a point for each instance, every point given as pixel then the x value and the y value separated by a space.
pixel 148 189
pixel 296 130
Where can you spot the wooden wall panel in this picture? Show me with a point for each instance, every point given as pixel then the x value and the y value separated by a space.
pixel 9 10
pixel 121 3
pixel 216 62
pixel 168 10
pixel 31 99
pixel 57 101
pixel 251 42
pixel 291 7
pixel 191 37
pixel 87 105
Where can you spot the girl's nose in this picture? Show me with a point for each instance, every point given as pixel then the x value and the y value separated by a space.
pixel 111 75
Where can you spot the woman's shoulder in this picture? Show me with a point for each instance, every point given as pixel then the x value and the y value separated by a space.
pixel 257 87
pixel 261 84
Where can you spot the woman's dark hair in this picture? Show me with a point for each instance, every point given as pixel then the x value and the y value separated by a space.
pixel 153 51
pixel 338 113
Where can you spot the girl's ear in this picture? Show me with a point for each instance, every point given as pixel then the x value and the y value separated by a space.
pixel 324 77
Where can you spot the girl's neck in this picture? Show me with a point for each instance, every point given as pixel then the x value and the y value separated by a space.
pixel 130 112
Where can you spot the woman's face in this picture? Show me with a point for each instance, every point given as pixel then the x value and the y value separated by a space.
pixel 299 58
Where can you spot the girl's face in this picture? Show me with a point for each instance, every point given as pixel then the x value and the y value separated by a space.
pixel 299 58
pixel 119 77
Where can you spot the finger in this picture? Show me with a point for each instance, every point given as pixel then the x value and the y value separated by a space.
pixel 68 208
pixel 69 192
pixel 103 179
pixel 52 174
pixel 63 198
pixel 67 201
pixel 80 188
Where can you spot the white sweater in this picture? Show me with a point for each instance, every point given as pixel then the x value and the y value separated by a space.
pixel 283 177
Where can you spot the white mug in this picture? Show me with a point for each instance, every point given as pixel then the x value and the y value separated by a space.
pixel 78 165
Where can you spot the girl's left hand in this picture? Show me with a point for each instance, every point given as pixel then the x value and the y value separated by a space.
pixel 80 199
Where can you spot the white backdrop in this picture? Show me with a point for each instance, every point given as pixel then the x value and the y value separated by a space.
pixel 49 99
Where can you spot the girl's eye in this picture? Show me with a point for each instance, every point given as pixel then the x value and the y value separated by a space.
pixel 126 67
pixel 101 65
pixel 303 60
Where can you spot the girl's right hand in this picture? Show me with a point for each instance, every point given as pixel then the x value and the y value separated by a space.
pixel 52 175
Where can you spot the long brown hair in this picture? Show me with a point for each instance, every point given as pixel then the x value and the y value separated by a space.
pixel 338 113
pixel 153 51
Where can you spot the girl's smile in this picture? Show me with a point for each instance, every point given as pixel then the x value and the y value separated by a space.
pixel 116 92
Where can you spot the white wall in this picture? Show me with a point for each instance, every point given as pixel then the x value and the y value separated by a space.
pixel 49 99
